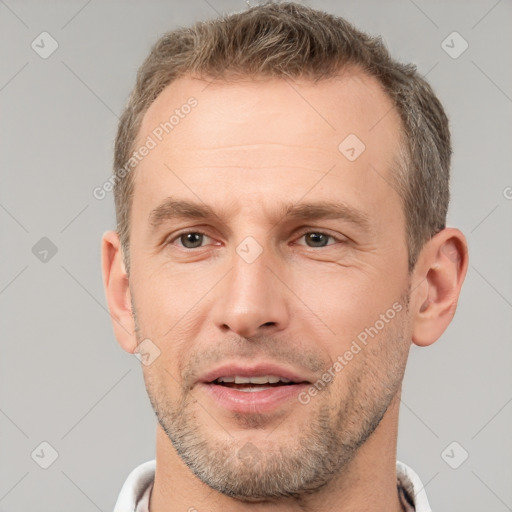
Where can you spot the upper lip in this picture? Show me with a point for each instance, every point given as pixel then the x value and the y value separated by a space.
pixel 258 370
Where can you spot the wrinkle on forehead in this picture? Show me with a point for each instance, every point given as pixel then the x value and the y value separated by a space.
pixel 267 111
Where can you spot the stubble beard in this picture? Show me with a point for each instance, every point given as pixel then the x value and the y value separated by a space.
pixel 263 469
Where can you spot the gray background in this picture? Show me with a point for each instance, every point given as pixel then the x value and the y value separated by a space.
pixel 64 380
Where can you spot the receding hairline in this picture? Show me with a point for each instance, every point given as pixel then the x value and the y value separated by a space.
pixel 349 71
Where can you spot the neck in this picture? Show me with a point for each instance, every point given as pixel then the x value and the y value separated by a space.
pixel 366 484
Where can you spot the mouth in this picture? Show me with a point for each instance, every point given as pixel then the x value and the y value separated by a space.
pixel 253 384
pixel 252 390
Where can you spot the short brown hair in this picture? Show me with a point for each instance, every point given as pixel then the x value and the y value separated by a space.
pixel 290 40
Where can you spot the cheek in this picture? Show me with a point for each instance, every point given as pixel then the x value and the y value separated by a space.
pixel 374 367
pixel 368 331
pixel 164 298
pixel 347 300
pixel 162 386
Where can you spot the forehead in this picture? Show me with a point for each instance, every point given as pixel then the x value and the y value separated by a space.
pixel 212 133
pixel 352 102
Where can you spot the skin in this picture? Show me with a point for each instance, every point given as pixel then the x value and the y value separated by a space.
pixel 247 149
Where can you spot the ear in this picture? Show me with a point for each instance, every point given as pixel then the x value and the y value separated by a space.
pixel 115 281
pixel 438 277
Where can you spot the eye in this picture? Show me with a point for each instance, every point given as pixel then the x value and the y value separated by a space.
pixel 189 239
pixel 318 238
pixel 195 239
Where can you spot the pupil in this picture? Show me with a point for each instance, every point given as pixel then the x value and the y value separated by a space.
pixel 189 237
pixel 313 236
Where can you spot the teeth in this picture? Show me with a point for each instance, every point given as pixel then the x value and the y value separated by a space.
pixel 259 380
pixel 226 379
pixel 264 379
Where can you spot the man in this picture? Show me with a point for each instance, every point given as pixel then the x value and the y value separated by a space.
pixel 281 189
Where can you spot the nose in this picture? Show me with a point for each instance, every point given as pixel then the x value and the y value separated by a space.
pixel 252 299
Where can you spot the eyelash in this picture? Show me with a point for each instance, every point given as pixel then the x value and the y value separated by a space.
pixel 197 232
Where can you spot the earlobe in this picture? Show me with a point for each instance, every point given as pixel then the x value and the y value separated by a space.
pixel 117 291
pixel 440 272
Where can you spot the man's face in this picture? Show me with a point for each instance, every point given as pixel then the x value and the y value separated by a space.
pixel 254 292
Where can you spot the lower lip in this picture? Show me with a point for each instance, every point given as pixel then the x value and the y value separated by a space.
pixel 252 401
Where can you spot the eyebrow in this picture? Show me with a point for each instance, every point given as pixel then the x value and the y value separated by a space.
pixel 172 208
